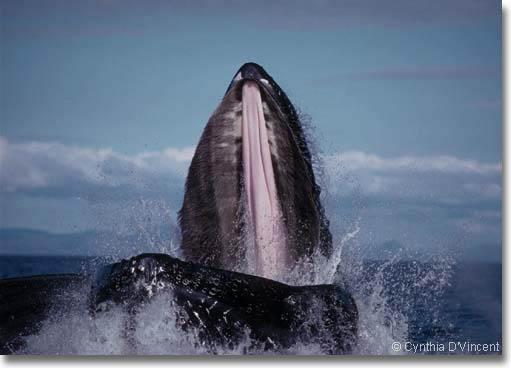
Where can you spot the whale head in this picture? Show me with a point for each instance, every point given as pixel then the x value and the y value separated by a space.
pixel 251 199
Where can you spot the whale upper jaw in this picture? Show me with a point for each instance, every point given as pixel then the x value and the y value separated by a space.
pixel 253 72
pixel 256 73
pixel 213 218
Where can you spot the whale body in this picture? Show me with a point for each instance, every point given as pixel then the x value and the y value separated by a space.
pixel 251 199
pixel 221 307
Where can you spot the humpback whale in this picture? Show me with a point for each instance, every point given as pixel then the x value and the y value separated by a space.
pixel 251 199
pixel 251 204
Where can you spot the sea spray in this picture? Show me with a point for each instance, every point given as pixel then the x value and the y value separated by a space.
pixel 385 291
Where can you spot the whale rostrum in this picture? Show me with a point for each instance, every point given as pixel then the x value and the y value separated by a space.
pixel 251 202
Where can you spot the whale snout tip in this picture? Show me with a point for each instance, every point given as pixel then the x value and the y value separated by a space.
pixel 251 71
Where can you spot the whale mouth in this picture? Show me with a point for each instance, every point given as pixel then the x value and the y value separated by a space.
pixel 251 200
pixel 263 212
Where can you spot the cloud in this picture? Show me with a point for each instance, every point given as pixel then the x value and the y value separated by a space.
pixel 357 160
pixel 421 200
pixel 489 104
pixel 442 181
pixel 427 73
pixel 424 202
pixel 58 170
pixel 445 72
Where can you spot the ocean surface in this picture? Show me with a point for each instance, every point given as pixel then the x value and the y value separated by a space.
pixel 406 307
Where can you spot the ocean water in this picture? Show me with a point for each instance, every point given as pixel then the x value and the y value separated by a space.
pixel 406 307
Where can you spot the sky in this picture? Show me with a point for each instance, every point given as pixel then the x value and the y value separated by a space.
pixel 103 101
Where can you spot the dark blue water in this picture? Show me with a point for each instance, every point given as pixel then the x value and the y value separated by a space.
pixel 20 266
pixel 442 308
pixel 467 307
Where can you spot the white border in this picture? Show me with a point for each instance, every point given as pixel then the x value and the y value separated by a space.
pixel 341 362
